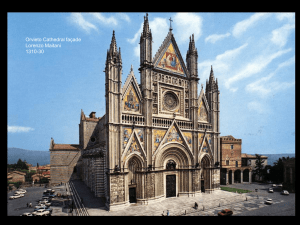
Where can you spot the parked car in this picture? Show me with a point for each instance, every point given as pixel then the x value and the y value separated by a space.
pixel 26 214
pixel 271 190
pixel 285 192
pixel 279 185
pixel 273 185
pixel 43 201
pixel 13 197
pixel 41 212
pixel 52 196
pixel 50 210
pixel 269 201
pixel 20 191
pixel 225 212
pixel 18 195
pixel 45 198
pixel 40 207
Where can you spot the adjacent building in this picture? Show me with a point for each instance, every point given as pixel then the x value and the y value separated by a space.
pixel 237 167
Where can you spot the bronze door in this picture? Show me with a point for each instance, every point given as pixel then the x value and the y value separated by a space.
pixel 171 186
pixel 132 195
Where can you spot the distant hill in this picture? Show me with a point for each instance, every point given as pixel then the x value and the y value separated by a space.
pixel 31 156
pixel 274 157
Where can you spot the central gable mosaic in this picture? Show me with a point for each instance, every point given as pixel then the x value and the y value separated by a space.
pixel 170 61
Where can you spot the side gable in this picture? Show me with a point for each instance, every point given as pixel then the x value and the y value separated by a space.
pixel 203 108
pixel 133 146
pixel 205 146
pixel 131 94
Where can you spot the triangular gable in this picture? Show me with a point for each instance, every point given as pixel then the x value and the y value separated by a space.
pixel 203 107
pixel 168 57
pixel 175 135
pixel 131 96
pixel 133 146
pixel 205 146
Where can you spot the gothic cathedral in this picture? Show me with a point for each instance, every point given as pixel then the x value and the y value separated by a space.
pixel 158 139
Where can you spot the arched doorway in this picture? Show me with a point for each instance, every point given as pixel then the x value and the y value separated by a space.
pixel 246 175
pixel 205 175
pixel 173 177
pixel 237 176
pixel 230 177
pixel 134 179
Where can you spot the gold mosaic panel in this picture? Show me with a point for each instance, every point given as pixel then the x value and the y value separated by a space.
pixel 170 61
pixel 131 101
pixel 188 136
pixel 202 112
pixel 158 135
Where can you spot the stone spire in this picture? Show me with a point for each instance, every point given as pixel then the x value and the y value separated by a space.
pixel 192 58
pixel 113 52
pixel 146 29
pixel 211 76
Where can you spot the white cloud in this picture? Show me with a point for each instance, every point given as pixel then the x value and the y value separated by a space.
pixel 124 16
pixel 78 19
pixel 288 16
pixel 264 87
pixel 18 129
pixel 216 37
pixel 105 20
pixel 254 67
pixel 221 64
pixel 186 24
pixel 243 25
pixel 257 106
pixel 280 35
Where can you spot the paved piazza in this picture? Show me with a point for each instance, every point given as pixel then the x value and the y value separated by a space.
pixel 208 204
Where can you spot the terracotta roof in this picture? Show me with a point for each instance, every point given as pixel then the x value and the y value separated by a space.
pixel 66 146
pixel 46 173
pixel 18 172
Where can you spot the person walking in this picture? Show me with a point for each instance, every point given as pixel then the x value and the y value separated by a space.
pixel 163 213
pixel 167 212
pixel 27 204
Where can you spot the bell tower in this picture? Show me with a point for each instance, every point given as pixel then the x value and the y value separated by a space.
pixel 146 82
pixel 113 95
pixel 212 94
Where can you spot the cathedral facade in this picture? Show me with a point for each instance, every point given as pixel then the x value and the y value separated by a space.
pixel 159 138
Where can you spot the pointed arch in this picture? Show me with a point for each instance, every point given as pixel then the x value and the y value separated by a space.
pixel 173 151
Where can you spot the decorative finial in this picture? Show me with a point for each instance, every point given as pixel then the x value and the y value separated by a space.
pixel 171 24
pixel 131 69
pixel 201 86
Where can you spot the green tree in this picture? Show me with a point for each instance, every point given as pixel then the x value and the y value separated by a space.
pixel 276 171
pixel 21 165
pixel 259 165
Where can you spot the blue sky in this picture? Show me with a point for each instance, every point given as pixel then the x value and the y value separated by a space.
pixel 252 54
